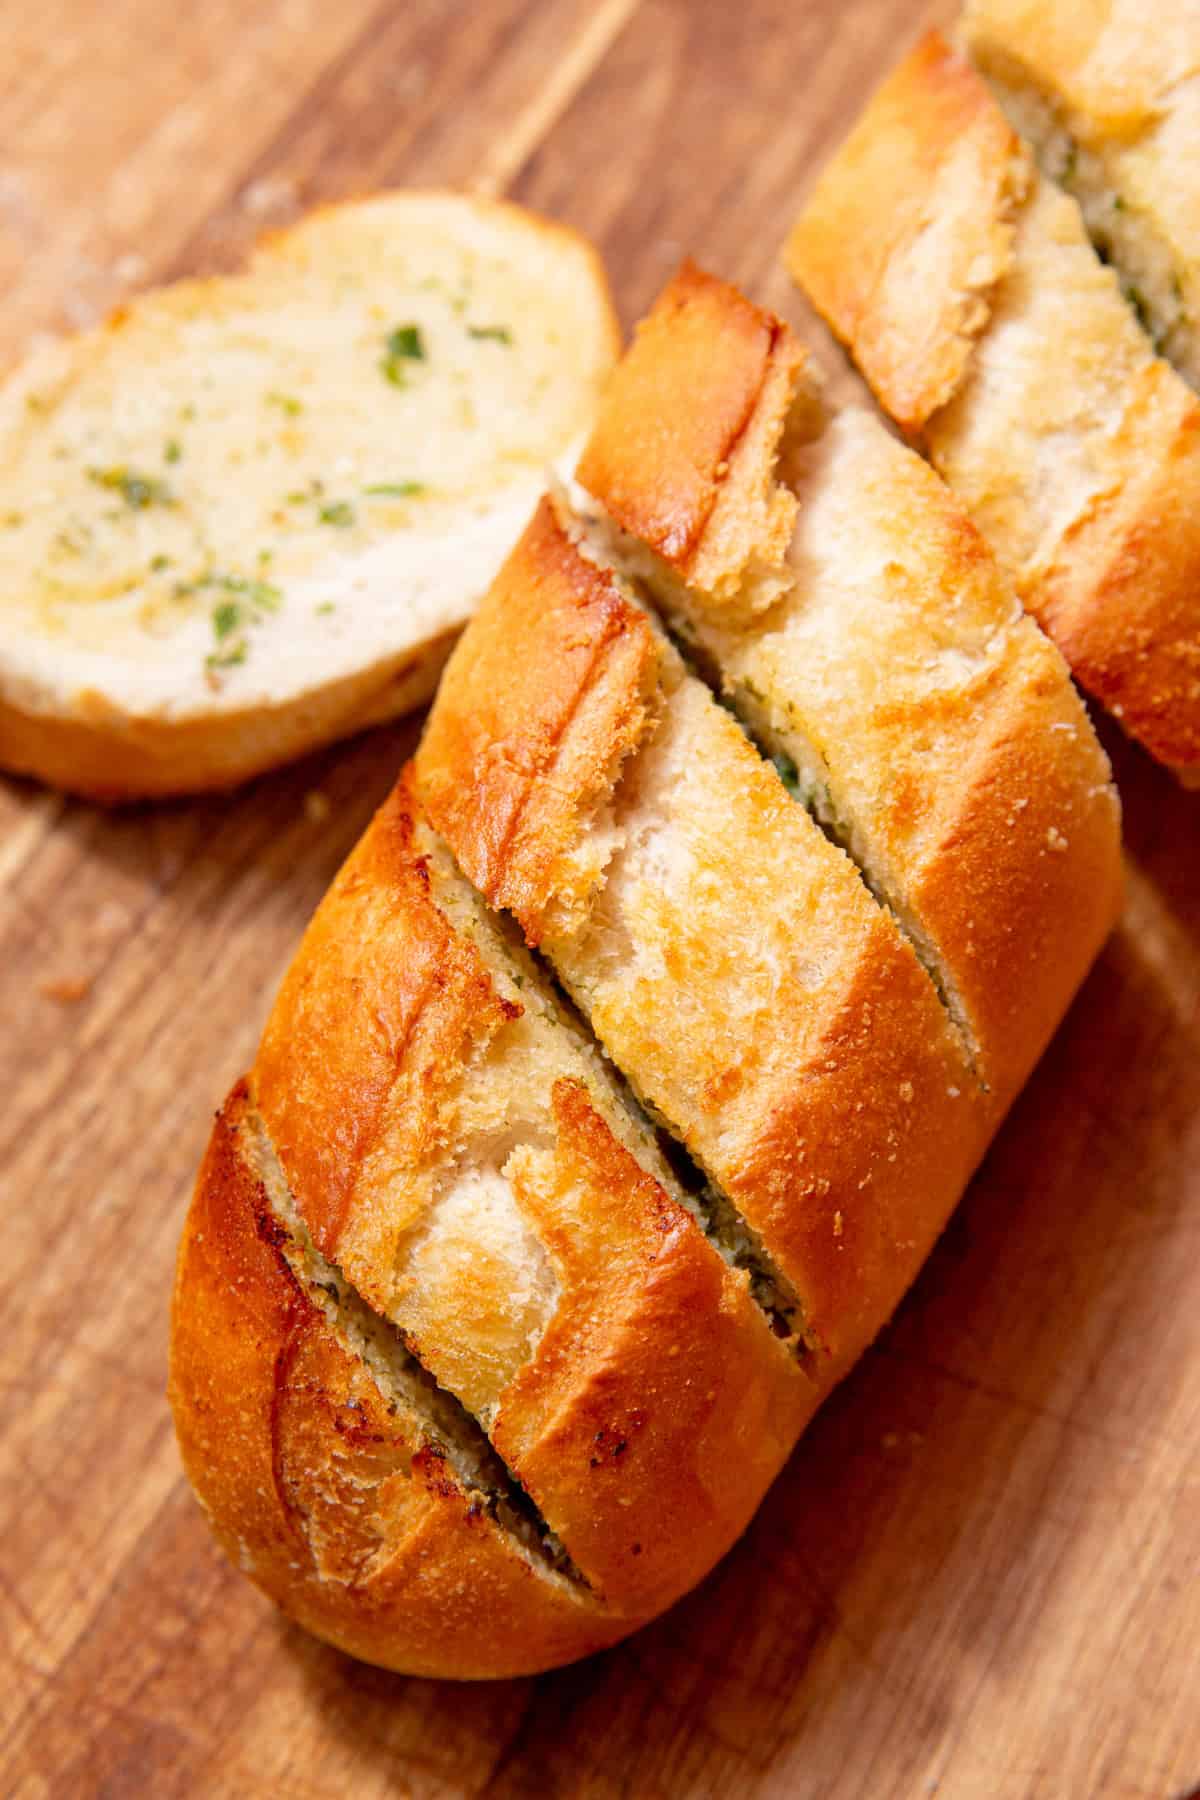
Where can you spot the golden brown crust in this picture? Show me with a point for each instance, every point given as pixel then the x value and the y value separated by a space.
pixel 113 757
pixel 672 473
pixel 1122 598
pixel 542 728
pixel 765 1005
pixel 385 1007
pixel 327 1495
pixel 910 227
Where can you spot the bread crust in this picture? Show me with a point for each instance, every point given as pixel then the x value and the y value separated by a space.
pixel 911 226
pixel 965 777
pixel 836 1111
pixel 1074 448
pixel 322 1489
pixel 1122 596
pixel 155 703
pixel 114 758
pixel 687 481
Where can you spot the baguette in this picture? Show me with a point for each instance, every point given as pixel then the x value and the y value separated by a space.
pixel 476 1362
pixel 440 1280
pixel 251 514
pixel 1111 102
pixel 928 723
pixel 964 284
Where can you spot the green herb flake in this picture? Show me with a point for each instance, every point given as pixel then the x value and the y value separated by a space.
pixel 337 512
pixel 172 451
pixel 226 617
pixel 159 563
pixel 228 657
pixel 1118 204
pixel 138 491
pixel 394 490
pixel 287 403
pixel 325 608
pixel 403 345
pixel 260 596
pixel 499 334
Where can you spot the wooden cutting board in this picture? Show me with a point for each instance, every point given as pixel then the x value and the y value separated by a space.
pixel 980 1573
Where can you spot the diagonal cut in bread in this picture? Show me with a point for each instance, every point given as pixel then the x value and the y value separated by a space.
pixel 250 514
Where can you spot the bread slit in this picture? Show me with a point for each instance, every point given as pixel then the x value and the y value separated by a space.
pixel 774 723
pixel 400 1376
pixel 648 1136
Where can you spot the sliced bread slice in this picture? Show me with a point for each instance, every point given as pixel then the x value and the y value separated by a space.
pixel 250 514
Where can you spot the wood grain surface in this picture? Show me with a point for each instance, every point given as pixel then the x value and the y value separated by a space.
pixel 980 1573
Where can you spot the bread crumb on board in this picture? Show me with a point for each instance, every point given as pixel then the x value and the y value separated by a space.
pixel 66 990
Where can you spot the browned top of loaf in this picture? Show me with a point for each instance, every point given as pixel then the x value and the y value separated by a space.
pixel 910 226
pixel 687 447
pixel 529 739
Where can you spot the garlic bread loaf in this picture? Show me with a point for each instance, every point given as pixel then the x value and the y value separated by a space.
pixel 606 1112
pixel 250 514
pixel 922 716
pixel 965 286
pixel 1110 98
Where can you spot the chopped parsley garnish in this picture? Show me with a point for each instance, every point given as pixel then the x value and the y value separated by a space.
pixel 227 658
pixel 394 490
pixel 287 403
pixel 337 512
pixel 226 617
pixel 251 601
pixel 159 563
pixel 326 606
pixel 499 334
pixel 173 450
pixel 137 491
pixel 403 345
